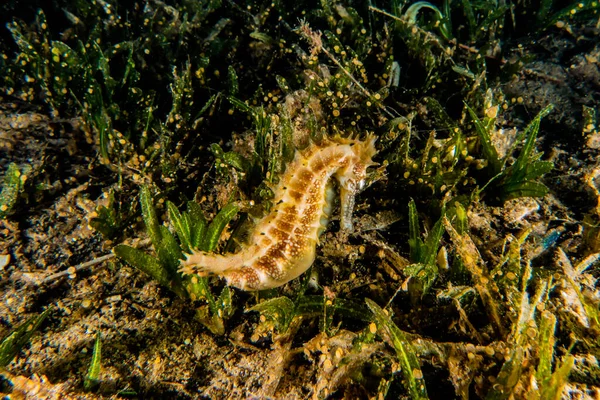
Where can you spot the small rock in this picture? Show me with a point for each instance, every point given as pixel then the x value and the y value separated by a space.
pixel 4 260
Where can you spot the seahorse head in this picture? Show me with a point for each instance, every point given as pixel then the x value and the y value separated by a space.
pixel 356 171
pixel 353 173
pixel 365 149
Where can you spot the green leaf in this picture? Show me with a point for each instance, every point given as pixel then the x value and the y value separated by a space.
pixel 107 221
pixel 240 105
pixel 236 161
pixel 413 11
pixel 491 155
pixel 262 37
pixel 523 189
pixel 233 81
pixel 553 390
pixel 150 218
pixel 315 305
pixel 470 16
pixel 197 224
pixel 424 275
pixel 99 118
pixel 518 180
pixel 574 10
pixel 546 341
pixel 536 169
pixel 91 379
pixel 197 288
pixel 182 92
pixel 227 213
pixel 169 251
pixel 216 150
pixel 432 243
pixel 280 310
pixel 414 234
pixel 150 265
pixel 210 320
pixel 230 158
pixel 460 223
pixel 207 105
pixel 12 343
pixel 11 188
pixel 225 303
pixel 282 83
pixel 409 363
pixel 182 226
pixel 530 134
pixel 509 375
pixel 130 74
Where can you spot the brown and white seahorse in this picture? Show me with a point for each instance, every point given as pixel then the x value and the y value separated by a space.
pixel 282 244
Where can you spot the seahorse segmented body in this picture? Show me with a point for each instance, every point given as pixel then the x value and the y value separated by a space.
pixel 282 244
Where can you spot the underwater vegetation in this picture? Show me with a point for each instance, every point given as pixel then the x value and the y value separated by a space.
pixel 195 111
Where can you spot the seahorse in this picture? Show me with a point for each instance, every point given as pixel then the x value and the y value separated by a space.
pixel 282 244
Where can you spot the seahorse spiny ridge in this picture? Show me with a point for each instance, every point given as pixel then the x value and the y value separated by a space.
pixel 282 244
